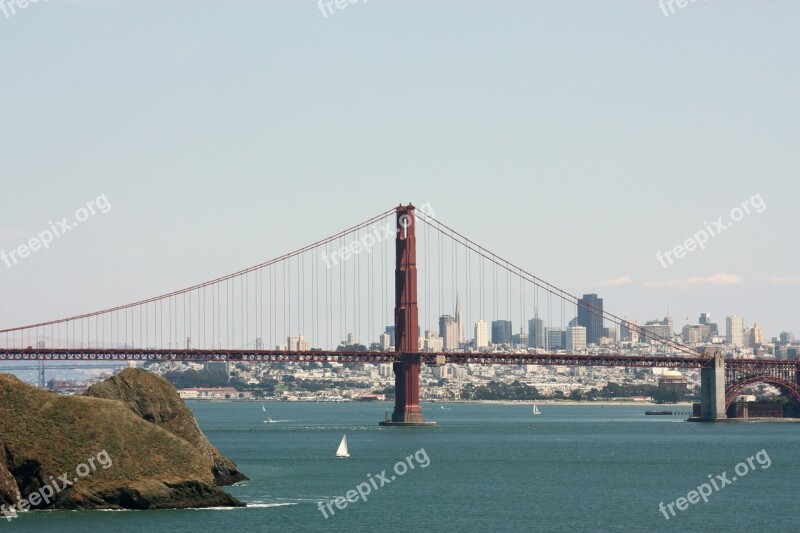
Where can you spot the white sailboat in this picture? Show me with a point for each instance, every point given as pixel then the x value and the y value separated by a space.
pixel 263 408
pixel 342 451
pixel 536 410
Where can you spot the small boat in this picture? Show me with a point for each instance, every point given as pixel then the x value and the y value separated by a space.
pixel 263 408
pixel 536 410
pixel 269 421
pixel 342 451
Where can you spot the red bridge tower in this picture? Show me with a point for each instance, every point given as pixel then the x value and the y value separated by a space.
pixel 407 411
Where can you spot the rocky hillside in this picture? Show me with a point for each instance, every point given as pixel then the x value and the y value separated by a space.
pixel 156 400
pixel 154 467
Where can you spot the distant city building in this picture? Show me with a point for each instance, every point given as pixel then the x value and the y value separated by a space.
pixel 459 323
pixel 448 330
pixel 390 331
pixel 734 330
pixel 536 331
pixel 705 319
pixel 520 339
pixel 385 342
pixel 431 342
pixel 610 334
pixel 786 337
pixel 297 344
pixel 555 338
pixel 654 332
pixel 656 329
pixel 576 339
pixel 590 316
pixel 756 335
pixel 629 331
pixel 481 334
pixel 501 332
pixel 696 333
pixel 215 393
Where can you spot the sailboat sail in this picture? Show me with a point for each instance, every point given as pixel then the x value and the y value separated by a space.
pixel 342 451
pixel 536 410
pixel 263 408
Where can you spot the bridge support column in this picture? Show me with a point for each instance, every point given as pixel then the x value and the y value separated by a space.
pixel 407 411
pixel 712 390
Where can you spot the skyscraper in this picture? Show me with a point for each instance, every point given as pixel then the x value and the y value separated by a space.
pixel 536 331
pixel 734 332
pixel 385 341
pixel 758 335
pixel 576 338
pixel 448 330
pixel 590 316
pixel 390 331
pixel 459 321
pixel 501 332
pixel 555 339
pixel 481 334
pixel 297 344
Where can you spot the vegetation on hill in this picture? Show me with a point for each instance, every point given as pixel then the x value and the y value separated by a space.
pixel 43 434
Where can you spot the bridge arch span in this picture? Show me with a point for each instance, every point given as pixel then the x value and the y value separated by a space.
pixel 790 389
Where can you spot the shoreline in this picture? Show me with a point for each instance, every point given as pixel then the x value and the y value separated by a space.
pixel 603 403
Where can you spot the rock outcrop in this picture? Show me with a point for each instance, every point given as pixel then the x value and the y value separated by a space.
pixel 149 465
pixel 156 400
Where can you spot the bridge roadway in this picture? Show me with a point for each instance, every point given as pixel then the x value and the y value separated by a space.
pixel 431 358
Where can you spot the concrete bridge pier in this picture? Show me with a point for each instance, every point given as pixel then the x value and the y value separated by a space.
pixel 712 390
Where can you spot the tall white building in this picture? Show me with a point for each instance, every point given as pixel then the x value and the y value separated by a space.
pixel 734 330
pixel 576 338
pixel 481 334
pixel 385 341
pixel 297 344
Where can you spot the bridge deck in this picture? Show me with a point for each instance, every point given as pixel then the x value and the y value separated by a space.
pixel 278 356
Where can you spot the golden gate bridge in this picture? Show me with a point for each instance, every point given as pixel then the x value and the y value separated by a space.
pixel 350 284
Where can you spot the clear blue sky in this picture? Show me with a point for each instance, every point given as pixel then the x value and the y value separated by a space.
pixel 575 138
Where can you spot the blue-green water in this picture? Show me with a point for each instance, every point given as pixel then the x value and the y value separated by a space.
pixel 492 467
